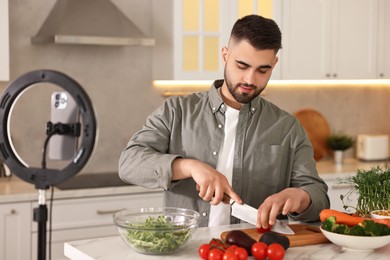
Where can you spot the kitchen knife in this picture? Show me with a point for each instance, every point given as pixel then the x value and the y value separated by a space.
pixel 249 214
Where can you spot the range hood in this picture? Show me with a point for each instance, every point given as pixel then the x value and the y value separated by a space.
pixel 93 22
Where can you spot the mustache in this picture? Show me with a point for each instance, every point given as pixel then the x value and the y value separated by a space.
pixel 246 85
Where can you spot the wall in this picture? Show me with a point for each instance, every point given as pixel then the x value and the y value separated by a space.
pixel 117 79
pixel 352 110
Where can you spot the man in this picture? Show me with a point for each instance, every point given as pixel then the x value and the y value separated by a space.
pixel 231 141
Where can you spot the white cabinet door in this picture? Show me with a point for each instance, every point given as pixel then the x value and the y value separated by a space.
pixel 306 41
pixel 355 36
pixel 384 40
pixel 4 41
pixel 15 230
pixel 329 39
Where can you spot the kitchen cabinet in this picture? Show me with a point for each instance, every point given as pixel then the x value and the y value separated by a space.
pixel 4 41
pixel 332 39
pixel 84 218
pixel 190 35
pixel 15 230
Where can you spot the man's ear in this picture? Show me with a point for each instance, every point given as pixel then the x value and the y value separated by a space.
pixel 275 61
pixel 224 54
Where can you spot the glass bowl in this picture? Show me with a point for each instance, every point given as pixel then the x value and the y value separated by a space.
pixel 156 231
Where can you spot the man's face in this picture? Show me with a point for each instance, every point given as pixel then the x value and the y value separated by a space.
pixel 247 72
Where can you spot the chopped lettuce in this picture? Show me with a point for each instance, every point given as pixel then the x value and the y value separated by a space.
pixel 157 236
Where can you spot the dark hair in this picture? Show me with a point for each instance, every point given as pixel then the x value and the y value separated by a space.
pixel 262 33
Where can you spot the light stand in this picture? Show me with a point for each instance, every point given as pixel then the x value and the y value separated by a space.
pixel 43 178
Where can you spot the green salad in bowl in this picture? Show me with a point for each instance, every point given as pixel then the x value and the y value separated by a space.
pixel 156 231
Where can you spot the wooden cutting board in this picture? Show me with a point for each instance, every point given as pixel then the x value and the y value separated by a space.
pixel 304 235
pixel 317 128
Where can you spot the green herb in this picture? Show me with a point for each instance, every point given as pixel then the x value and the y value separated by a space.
pixel 373 188
pixel 157 236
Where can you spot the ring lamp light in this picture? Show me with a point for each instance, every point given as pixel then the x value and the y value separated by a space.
pixel 43 178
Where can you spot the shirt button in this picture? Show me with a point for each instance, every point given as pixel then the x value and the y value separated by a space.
pixel 214 108
pixel 222 105
pixel 253 109
pixel 204 214
pixel 219 126
pixel 215 153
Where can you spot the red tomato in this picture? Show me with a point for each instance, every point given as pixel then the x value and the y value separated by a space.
pixel 215 254
pixel 259 250
pixel 263 230
pixel 241 253
pixel 275 251
pixel 229 255
pixel 203 251
pixel 231 248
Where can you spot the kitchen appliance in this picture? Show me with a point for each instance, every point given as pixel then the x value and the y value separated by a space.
pixel 93 22
pixel 249 214
pixel 372 147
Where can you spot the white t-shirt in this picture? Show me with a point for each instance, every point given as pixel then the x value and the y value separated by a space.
pixel 220 214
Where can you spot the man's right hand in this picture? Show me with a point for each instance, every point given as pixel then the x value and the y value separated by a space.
pixel 210 183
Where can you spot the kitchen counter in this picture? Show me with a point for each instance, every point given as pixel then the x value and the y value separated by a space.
pixel 107 248
pixel 327 169
pixel 13 189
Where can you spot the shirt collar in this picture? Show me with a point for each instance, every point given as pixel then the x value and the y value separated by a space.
pixel 217 103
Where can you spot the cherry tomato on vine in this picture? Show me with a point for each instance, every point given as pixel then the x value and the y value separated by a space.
pixel 231 248
pixel 259 250
pixel 203 251
pixel 275 251
pixel 215 254
pixel 241 253
pixel 229 255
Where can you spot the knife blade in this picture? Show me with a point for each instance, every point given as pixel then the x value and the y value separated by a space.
pixel 249 214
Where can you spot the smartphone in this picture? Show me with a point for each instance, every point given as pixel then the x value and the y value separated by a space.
pixel 65 110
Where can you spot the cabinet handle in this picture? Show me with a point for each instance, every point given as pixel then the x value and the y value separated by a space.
pixel 327 75
pixel 334 75
pixel 381 75
pixel 106 212
pixel 13 211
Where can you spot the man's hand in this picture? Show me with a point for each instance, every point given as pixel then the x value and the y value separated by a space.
pixel 289 200
pixel 210 183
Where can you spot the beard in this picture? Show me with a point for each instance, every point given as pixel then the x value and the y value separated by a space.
pixel 240 97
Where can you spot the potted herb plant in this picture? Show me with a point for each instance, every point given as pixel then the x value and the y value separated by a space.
pixel 339 142
pixel 373 189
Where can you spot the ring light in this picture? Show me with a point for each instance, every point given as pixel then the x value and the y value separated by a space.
pixel 43 178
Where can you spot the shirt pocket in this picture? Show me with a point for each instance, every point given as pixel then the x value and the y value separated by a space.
pixel 269 166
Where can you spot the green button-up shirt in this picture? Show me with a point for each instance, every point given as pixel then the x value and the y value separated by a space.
pixel 272 152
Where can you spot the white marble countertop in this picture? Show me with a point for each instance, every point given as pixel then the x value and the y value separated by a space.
pixel 108 248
